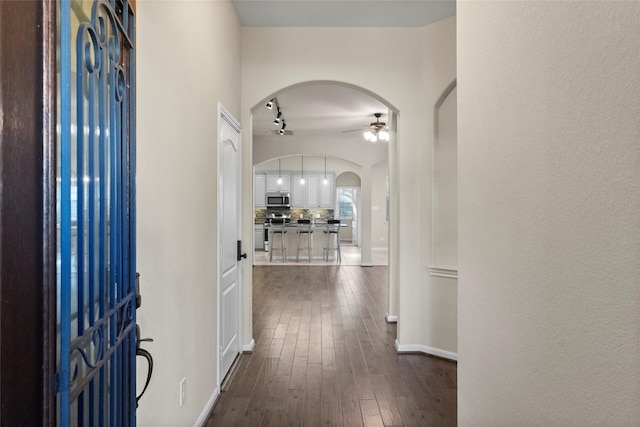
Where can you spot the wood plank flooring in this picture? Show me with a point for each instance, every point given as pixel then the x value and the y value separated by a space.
pixel 325 356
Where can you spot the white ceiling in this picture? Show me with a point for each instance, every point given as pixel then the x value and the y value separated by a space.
pixel 329 109
pixel 320 110
pixel 343 13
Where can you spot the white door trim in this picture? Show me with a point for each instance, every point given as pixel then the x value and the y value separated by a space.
pixel 224 114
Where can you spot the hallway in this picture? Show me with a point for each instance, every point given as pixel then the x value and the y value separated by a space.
pixel 324 355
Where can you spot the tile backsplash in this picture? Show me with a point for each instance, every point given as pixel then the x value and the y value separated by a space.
pixel 261 215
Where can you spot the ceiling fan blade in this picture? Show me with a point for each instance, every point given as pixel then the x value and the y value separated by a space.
pixel 352 130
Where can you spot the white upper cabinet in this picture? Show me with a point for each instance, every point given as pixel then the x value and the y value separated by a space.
pixel 313 194
pixel 298 191
pixel 259 190
pixel 327 191
pixel 272 182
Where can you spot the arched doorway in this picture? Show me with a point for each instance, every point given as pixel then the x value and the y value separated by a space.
pixel 327 118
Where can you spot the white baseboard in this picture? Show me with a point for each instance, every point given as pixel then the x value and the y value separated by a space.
pixel 248 348
pixel 366 264
pixel 391 319
pixel 412 348
pixel 204 415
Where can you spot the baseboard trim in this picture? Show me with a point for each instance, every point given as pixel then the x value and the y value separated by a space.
pixel 391 319
pixel 204 415
pixel 412 348
pixel 248 348
pixel 366 264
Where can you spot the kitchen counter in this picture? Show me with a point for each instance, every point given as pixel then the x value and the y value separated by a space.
pixel 315 226
pixel 291 242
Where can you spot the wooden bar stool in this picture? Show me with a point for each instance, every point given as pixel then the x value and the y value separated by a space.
pixel 304 231
pixel 278 232
pixel 332 239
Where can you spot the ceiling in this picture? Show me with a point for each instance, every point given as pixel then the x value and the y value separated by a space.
pixel 343 13
pixel 330 109
pixel 321 109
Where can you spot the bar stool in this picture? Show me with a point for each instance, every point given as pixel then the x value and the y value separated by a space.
pixel 277 229
pixel 304 230
pixel 331 244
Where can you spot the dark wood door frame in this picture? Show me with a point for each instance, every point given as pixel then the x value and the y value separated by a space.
pixel 27 212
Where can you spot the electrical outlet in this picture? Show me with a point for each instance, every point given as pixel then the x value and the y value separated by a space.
pixel 183 391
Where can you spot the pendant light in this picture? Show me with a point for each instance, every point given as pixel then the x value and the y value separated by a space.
pixel 279 181
pixel 325 181
pixel 302 181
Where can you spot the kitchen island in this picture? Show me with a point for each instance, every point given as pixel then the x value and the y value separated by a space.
pixel 291 239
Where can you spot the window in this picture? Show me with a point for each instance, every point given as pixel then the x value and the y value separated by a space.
pixel 345 203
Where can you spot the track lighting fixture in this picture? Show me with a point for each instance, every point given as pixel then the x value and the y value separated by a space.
pixel 278 119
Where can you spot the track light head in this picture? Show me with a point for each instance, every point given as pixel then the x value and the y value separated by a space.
pixel 269 104
pixel 278 119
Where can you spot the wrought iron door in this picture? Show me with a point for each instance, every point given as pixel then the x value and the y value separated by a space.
pixel 96 306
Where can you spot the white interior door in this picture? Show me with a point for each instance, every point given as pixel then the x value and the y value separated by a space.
pixel 229 295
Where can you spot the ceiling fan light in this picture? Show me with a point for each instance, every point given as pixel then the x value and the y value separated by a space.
pixel 374 137
pixel 384 135
pixel 368 135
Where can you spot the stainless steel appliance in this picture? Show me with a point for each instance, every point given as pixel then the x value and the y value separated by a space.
pixel 278 200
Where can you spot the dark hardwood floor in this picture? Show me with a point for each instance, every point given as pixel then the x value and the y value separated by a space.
pixel 324 355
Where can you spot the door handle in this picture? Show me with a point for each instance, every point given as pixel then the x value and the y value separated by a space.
pixel 239 252
pixel 147 356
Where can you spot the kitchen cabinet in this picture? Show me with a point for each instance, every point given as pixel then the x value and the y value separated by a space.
pixel 259 191
pixel 272 182
pixel 313 194
pixel 298 192
pixel 327 192
pixel 258 237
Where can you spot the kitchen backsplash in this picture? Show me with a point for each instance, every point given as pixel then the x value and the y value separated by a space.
pixel 260 215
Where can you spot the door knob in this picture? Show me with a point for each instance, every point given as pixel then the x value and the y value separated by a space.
pixel 239 253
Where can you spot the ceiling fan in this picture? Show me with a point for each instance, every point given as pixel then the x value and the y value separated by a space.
pixel 376 130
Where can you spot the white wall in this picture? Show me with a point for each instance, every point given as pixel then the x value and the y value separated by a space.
pixel 445 183
pixel 379 226
pixel 419 63
pixel 438 296
pixel 311 163
pixel 188 57
pixel 549 214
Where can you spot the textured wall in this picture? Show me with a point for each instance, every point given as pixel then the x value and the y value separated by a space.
pixel 549 214
pixel 188 61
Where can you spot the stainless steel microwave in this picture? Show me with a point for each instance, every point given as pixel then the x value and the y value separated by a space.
pixel 278 200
